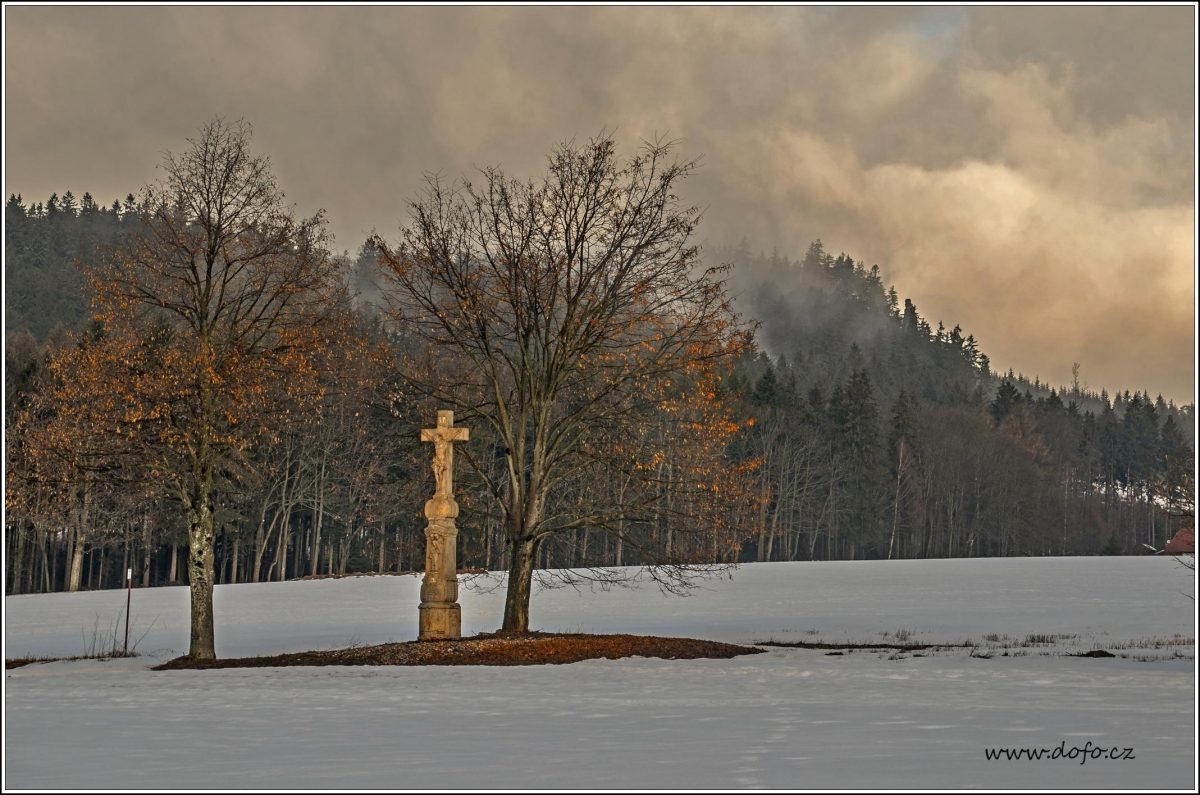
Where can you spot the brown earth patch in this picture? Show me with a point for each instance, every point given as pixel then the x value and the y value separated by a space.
pixel 535 648
pixel 805 644
pixel 20 662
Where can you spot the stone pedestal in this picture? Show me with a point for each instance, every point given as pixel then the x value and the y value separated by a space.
pixel 440 621
pixel 440 615
pixel 439 611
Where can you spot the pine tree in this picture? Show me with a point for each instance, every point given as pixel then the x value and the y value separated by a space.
pixel 767 391
pixel 854 421
pixel 815 257
pixel 911 320
pixel 1175 481
pixel 1006 398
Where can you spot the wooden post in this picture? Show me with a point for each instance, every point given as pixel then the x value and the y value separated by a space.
pixel 128 602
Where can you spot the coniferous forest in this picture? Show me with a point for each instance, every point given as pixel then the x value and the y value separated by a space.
pixel 850 427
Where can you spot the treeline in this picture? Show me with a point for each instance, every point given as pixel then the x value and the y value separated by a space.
pixel 845 475
pixel 337 481
pixel 43 242
pixel 868 433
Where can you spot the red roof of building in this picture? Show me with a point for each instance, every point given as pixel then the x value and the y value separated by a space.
pixel 1182 542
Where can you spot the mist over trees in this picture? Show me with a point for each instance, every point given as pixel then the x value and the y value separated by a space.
pixel 854 428
pixel 884 436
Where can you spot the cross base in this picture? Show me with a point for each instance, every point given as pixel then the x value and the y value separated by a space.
pixel 440 621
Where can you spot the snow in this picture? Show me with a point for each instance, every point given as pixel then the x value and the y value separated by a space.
pixel 789 718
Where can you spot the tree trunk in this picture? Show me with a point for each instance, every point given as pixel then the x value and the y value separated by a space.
pixel 319 518
pixel 147 549
pixel 343 549
pixel 31 556
pixel 260 543
pixel 487 538
pixel 200 569
pixel 75 577
pixel 45 547
pixel 284 536
pixel 520 585
pixel 233 566
pixel 18 560
pixel 126 565
pixel 764 504
pixel 201 550
pixel 400 550
pixel 896 501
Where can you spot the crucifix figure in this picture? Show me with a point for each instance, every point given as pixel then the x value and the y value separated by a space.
pixel 439 611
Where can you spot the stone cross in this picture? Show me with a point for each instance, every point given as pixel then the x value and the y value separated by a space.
pixel 439 611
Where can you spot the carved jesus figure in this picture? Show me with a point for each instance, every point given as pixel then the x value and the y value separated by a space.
pixel 443 466
pixel 443 437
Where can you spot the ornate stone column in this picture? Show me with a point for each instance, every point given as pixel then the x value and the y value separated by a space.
pixel 439 611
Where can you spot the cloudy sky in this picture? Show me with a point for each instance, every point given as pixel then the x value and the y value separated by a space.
pixel 1026 172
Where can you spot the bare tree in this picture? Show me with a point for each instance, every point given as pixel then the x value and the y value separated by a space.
pixel 560 314
pixel 211 308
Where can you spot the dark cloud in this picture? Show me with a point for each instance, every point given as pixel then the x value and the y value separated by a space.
pixel 1026 172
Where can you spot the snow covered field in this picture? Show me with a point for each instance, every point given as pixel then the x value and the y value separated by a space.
pixel 789 718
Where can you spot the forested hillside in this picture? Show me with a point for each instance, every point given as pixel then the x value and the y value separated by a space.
pixel 855 429
pixel 42 242
pixel 880 435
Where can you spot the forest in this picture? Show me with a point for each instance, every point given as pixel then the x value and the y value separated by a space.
pixel 842 426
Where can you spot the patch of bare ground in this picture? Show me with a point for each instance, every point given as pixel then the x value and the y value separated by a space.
pixel 534 648
pixel 804 644
pixel 21 662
